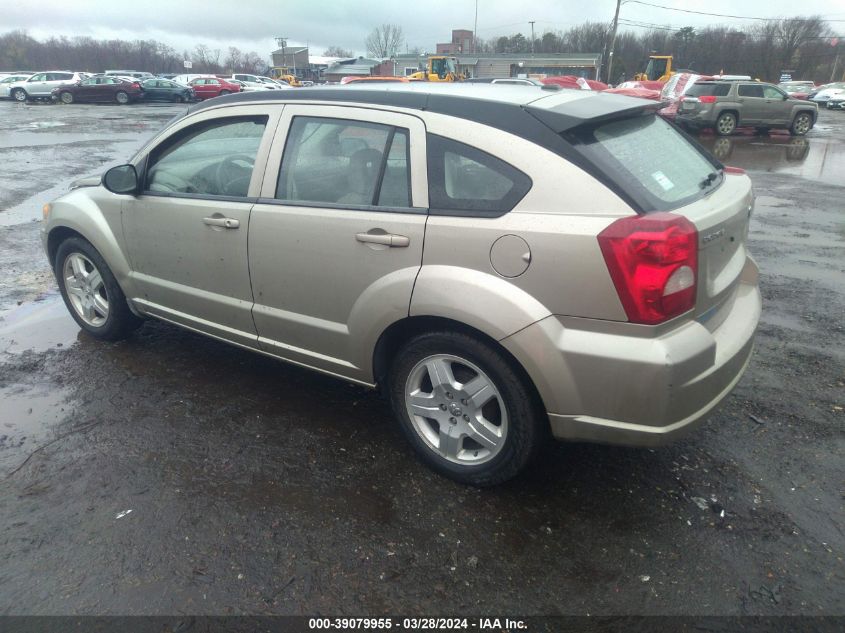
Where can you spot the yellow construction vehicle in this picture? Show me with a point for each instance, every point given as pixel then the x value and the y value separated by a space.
pixel 659 68
pixel 438 68
pixel 283 73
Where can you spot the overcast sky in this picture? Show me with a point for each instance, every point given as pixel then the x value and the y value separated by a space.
pixel 252 25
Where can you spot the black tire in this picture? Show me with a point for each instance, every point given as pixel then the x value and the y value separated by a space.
pixel 121 322
pixel 176 99
pixel 66 97
pixel 725 124
pixel 19 95
pixel 121 97
pixel 223 92
pixel 801 124
pixel 527 427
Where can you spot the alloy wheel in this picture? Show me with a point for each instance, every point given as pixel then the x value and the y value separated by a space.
pixel 456 409
pixel 86 289
pixel 726 124
pixel 802 124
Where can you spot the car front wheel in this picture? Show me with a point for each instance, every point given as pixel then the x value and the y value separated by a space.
pixel 801 124
pixel 725 124
pixel 91 292
pixel 467 412
pixel 19 95
pixel 66 97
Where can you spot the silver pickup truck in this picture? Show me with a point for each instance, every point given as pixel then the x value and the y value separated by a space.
pixel 726 105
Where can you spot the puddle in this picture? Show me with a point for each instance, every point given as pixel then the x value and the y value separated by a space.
pixel 27 417
pixel 37 326
pixel 46 124
pixel 815 158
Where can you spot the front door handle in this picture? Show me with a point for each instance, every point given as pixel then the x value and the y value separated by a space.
pixel 387 239
pixel 226 223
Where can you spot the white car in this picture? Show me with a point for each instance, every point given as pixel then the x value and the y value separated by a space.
pixel 827 91
pixel 246 86
pixel 274 83
pixel 254 82
pixel 7 82
pixel 41 85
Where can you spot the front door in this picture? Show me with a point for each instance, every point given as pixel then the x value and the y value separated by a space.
pixel 777 105
pixel 335 242
pixel 186 232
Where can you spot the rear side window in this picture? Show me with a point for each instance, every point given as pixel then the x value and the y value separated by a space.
pixel 709 90
pixel 749 90
pixel 463 180
pixel 347 163
pixel 649 160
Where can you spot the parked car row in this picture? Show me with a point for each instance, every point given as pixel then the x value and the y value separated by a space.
pixel 126 86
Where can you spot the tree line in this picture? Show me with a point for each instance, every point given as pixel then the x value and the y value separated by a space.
pixel 806 46
pixel 19 51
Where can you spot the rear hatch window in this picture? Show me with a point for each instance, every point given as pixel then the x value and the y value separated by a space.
pixel 653 163
pixel 709 90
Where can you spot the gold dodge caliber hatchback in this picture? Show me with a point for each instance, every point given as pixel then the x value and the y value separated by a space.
pixel 506 262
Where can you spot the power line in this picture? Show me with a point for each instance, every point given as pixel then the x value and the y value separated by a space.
pixel 724 15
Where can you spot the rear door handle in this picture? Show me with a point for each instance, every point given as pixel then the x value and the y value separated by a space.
pixel 226 223
pixel 388 239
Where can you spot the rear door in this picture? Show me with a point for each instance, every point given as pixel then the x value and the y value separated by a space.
pixel 336 240
pixel 752 102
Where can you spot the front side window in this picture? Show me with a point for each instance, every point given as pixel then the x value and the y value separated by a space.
pixel 463 180
pixel 771 92
pixel 213 158
pixel 344 162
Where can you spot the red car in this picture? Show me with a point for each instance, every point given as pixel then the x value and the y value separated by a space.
pixel 208 87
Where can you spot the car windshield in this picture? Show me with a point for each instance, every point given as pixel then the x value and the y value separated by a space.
pixel 645 156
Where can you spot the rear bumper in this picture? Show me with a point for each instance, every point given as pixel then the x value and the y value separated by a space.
pixel 634 386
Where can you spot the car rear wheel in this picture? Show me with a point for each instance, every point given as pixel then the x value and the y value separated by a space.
pixel 19 94
pixel 176 99
pixel 121 97
pixel 66 97
pixel 467 412
pixel 801 124
pixel 224 92
pixel 91 292
pixel 726 124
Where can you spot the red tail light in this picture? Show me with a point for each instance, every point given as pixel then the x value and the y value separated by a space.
pixel 135 84
pixel 733 170
pixel 707 99
pixel 653 261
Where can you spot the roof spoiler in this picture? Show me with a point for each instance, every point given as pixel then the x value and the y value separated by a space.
pixel 596 108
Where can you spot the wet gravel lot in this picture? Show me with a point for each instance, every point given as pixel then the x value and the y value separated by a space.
pixel 171 473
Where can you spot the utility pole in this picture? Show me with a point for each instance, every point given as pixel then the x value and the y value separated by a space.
pixel 612 41
pixel 281 42
pixel 475 30
pixel 531 22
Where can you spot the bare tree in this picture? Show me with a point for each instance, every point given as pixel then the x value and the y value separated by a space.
pixel 384 41
pixel 337 51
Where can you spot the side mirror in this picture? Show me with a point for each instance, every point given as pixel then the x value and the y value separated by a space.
pixel 122 179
